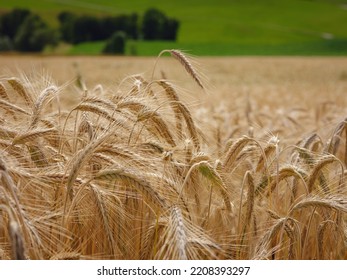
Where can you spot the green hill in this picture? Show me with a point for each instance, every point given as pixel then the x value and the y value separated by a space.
pixel 225 27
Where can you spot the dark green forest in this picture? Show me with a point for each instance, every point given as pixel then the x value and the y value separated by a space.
pixel 25 31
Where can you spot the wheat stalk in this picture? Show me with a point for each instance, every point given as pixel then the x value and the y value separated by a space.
pixel 7 105
pixel 3 93
pixel 20 89
pixel 32 135
pixel 179 232
pixel 174 100
pixel 183 60
pixel 40 102
pixel 211 174
pixel 332 202
pixel 317 172
pixel 151 196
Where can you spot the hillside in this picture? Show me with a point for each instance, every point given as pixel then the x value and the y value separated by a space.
pixel 225 27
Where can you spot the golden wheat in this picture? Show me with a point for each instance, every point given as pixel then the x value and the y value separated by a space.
pixel 139 172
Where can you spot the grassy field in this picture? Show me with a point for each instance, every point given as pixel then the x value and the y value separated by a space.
pixel 147 48
pixel 175 158
pixel 228 27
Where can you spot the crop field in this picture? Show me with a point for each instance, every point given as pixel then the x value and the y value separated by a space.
pixel 173 157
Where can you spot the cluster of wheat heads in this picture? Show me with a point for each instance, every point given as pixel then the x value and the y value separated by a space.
pixel 130 174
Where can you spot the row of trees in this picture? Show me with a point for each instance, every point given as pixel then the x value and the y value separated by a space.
pixel 23 30
pixel 76 29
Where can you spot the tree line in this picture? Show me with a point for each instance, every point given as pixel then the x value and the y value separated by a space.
pixel 25 31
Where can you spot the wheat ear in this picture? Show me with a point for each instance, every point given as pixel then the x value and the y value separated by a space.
pixel 320 236
pixel 211 174
pixel 32 135
pixel 156 125
pixel 173 98
pixel 180 232
pixel 19 88
pixel 151 196
pixel 317 172
pixel 190 125
pixel 40 102
pixel 81 158
pixel 234 150
pixel 3 93
pixel 11 107
pixel 330 202
pixel 183 60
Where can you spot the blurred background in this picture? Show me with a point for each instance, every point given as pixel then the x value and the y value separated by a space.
pixel 201 27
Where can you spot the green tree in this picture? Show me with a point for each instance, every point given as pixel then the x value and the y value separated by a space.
pixel 86 28
pixel 152 24
pixel 116 43
pixel 170 29
pixel 157 26
pixel 126 23
pixel 33 35
pixel 132 28
pixel 6 44
pixel 67 22
pixel 11 21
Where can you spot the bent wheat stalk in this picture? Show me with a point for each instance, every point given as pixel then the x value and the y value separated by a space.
pixel 21 90
pixel 182 58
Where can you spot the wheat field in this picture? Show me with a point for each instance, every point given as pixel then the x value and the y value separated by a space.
pixel 173 157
